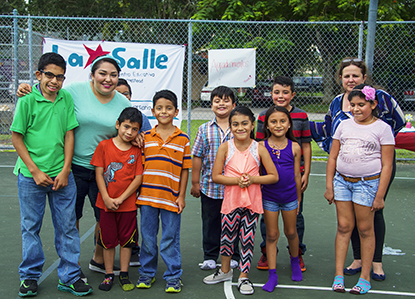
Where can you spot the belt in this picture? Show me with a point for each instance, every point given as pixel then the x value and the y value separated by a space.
pixel 355 180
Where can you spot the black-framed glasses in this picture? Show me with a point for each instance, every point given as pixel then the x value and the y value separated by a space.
pixel 51 75
pixel 352 60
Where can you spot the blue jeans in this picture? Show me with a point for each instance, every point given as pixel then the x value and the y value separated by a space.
pixel 169 244
pixel 32 200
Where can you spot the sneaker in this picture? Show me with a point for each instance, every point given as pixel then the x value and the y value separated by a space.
pixel 174 285
pixel 135 260
pixel 145 282
pixel 263 261
pixel 245 286
pixel 302 265
pixel 125 282
pixel 107 283
pixel 28 287
pixel 218 276
pixel 79 288
pixel 83 277
pixel 234 264
pixel 94 266
pixel 208 265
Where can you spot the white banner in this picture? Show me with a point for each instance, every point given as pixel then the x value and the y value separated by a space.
pixel 148 68
pixel 232 67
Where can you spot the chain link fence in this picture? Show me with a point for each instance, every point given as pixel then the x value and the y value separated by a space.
pixel 309 52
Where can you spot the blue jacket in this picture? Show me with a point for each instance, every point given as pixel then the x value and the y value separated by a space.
pixel 389 112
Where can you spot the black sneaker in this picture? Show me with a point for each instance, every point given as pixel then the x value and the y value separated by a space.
pixel 107 283
pixel 28 287
pixel 94 266
pixel 79 288
pixel 135 260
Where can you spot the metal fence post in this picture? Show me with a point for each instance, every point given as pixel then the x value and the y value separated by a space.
pixel 29 25
pixel 15 54
pixel 371 33
pixel 189 79
pixel 360 53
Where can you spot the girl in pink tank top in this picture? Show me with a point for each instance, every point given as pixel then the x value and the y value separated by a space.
pixel 241 158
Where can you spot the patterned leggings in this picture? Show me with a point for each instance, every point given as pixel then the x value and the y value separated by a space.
pixel 241 222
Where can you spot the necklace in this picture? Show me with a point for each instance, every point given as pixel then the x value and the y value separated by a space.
pixel 276 149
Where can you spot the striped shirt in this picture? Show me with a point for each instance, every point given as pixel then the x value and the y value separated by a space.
pixel 301 128
pixel 208 139
pixel 163 163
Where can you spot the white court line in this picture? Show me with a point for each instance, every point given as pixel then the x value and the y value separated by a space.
pixel 229 293
pixel 227 288
pixel 56 263
pixel 396 178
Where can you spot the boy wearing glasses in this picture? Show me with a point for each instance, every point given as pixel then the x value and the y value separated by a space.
pixel 42 134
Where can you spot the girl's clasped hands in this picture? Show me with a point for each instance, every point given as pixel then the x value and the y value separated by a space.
pixel 245 180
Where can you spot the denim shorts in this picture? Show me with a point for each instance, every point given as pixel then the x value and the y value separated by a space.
pixel 361 192
pixel 273 206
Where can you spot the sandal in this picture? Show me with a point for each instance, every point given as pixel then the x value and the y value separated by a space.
pixel 338 284
pixel 362 287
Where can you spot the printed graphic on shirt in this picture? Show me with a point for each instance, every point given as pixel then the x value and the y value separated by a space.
pixel 132 159
pixel 110 172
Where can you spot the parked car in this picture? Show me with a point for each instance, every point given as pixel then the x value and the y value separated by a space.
pixel 260 95
pixel 408 100
pixel 207 90
pixel 308 84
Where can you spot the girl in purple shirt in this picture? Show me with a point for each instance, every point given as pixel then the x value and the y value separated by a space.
pixel 285 195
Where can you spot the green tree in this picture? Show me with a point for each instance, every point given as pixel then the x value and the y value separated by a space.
pixel 168 9
pixel 302 10
pixel 7 6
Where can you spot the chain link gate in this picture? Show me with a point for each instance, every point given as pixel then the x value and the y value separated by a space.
pixel 309 52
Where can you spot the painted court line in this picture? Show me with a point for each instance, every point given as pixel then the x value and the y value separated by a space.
pixel 396 178
pixel 56 263
pixel 229 294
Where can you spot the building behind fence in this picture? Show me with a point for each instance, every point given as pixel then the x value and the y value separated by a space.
pixel 309 52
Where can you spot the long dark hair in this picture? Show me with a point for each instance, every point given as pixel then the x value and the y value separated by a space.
pixel 242 110
pixel 270 111
pixel 357 92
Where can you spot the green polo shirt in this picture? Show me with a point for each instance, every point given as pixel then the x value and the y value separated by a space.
pixel 43 125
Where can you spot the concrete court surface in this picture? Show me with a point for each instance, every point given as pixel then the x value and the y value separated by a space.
pixel 319 259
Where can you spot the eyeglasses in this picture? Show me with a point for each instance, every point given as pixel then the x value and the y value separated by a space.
pixel 352 60
pixel 51 75
pixel 125 93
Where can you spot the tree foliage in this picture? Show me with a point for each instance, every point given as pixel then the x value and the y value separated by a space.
pixel 302 10
pixel 160 9
pixel 7 6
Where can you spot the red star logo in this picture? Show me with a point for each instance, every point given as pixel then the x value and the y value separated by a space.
pixel 94 54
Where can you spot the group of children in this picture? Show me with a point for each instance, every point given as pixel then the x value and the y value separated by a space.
pixel 237 177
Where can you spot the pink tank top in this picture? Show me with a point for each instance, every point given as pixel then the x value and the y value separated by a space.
pixel 236 164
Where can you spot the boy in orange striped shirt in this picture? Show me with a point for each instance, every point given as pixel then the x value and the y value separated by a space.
pixel 167 160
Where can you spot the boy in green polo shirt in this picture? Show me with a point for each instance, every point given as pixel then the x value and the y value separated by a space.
pixel 42 134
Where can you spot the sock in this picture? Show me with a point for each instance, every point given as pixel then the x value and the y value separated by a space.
pixel 272 281
pixel 107 283
pixel 297 275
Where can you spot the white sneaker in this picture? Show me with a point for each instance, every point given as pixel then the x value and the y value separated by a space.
pixel 208 265
pixel 218 276
pixel 234 264
pixel 245 286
